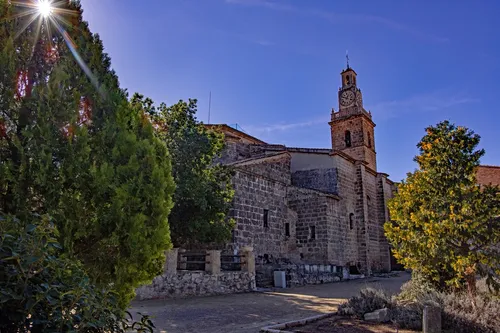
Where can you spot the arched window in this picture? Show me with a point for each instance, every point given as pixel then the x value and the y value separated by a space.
pixel 347 79
pixel 369 140
pixel 347 138
pixel 351 221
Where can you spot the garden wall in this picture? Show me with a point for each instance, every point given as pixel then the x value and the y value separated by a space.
pixel 179 280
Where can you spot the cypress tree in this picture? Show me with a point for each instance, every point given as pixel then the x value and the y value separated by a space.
pixel 71 146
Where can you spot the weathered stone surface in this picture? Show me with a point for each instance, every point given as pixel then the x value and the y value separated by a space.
pixel 431 321
pixel 379 316
pixel 324 180
pixel 186 283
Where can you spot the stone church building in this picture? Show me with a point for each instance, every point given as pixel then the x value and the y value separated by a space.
pixel 313 206
pixel 308 206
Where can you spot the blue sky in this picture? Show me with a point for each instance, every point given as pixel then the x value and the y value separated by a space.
pixel 273 66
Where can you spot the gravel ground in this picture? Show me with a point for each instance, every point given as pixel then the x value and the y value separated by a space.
pixel 247 313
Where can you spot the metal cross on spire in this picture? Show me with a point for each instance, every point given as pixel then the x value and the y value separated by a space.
pixel 347 57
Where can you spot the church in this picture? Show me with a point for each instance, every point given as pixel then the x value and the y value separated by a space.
pixel 308 206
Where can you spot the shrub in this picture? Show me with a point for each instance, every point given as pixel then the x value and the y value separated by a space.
pixel 41 290
pixel 459 315
pixel 369 300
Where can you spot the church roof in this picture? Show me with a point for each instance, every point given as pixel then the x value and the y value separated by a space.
pixel 258 158
pixel 348 69
pixel 235 134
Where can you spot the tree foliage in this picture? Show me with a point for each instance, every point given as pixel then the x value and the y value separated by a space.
pixel 444 225
pixel 41 290
pixel 203 191
pixel 72 147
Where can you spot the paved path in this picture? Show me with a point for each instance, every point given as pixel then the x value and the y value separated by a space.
pixel 247 313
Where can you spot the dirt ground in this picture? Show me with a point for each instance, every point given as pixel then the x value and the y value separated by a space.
pixel 247 313
pixel 347 325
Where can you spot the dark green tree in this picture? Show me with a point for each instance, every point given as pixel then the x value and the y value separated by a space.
pixel 203 194
pixel 44 291
pixel 72 147
pixel 445 226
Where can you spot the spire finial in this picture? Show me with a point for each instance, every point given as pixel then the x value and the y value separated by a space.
pixel 347 58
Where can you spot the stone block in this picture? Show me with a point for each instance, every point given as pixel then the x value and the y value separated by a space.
pixel 431 321
pixel 213 264
pixel 170 267
pixel 379 316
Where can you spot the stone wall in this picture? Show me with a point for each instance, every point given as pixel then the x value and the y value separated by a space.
pixel 197 283
pixel 350 219
pixel 359 126
pixel 311 228
pixel 488 175
pixel 303 274
pixel 258 194
pixel 324 180
pixel 234 151
pixel 175 282
pixel 272 167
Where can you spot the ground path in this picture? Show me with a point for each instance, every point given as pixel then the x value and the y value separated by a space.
pixel 247 313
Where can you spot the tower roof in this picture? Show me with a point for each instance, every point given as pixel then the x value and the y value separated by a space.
pixel 348 69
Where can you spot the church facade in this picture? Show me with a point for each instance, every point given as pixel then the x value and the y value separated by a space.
pixel 313 206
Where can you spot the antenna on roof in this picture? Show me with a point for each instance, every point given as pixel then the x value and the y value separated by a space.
pixel 347 57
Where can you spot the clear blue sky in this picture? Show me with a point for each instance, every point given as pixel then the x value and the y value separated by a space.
pixel 273 66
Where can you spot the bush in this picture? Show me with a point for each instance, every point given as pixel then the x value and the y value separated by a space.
pixel 369 300
pixel 41 290
pixel 458 312
pixel 459 315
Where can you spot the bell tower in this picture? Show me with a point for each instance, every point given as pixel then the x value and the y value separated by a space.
pixel 351 126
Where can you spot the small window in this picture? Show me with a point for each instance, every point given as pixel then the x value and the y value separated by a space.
pixel 312 232
pixel 287 229
pixel 347 80
pixel 266 218
pixel 347 138
pixel 369 140
pixel 351 221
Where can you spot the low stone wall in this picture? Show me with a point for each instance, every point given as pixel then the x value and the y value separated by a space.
pixel 178 281
pixel 301 274
pixel 197 283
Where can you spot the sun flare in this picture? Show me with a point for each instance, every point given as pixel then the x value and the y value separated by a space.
pixel 44 7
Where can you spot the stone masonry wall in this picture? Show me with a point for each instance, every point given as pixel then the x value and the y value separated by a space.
pixel 348 210
pixel 312 223
pixel 234 151
pixel 197 283
pixel 324 180
pixel 257 194
pixel 275 168
pixel 360 127
pixel 389 190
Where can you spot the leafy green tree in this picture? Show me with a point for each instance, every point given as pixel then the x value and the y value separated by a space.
pixel 444 225
pixel 72 147
pixel 203 193
pixel 44 291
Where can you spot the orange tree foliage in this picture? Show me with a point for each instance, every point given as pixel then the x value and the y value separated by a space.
pixel 444 225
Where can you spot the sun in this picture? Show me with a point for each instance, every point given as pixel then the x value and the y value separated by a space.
pixel 44 7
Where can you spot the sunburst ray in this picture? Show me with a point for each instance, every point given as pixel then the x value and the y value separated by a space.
pixel 51 14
